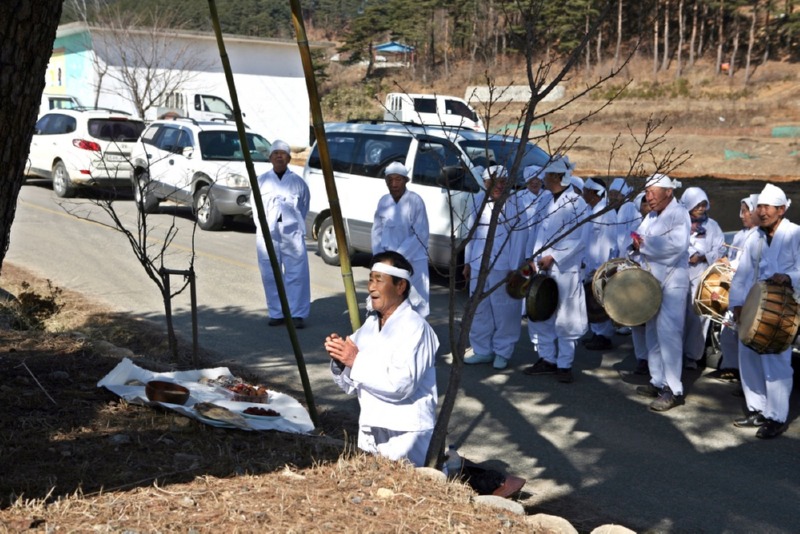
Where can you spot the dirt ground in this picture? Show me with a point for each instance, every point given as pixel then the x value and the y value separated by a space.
pixel 74 457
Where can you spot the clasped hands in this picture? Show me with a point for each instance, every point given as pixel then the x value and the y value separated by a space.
pixel 342 350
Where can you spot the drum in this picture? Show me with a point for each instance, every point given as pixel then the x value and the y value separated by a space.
pixel 542 298
pixel 711 296
pixel 768 323
pixel 594 310
pixel 630 295
pixel 518 282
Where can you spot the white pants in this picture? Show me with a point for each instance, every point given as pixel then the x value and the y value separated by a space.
pixel 395 444
pixel 420 296
pixel 664 334
pixel 557 350
pixel 293 260
pixel 767 382
pixel 694 332
pixel 605 329
pixel 496 325
pixel 639 342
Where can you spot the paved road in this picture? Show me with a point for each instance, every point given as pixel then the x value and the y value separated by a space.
pixel 591 450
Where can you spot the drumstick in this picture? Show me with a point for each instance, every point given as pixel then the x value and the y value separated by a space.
pixel 731 246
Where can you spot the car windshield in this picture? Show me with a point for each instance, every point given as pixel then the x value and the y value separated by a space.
pixel 502 152
pixel 115 129
pixel 224 145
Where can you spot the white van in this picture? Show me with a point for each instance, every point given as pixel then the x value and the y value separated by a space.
pixel 438 110
pixel 54 101
pixel 196 106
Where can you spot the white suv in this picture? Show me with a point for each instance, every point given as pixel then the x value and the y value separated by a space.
pixel 79 147
pixel 442 162
pixel 200 164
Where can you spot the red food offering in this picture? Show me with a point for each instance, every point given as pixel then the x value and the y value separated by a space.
pixel 254 410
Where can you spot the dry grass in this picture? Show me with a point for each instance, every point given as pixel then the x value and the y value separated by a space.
pixel 76 458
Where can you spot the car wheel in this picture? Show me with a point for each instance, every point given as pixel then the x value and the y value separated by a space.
pixel 146 200
pixel 326 243
pixel 205 211
pixel 62 186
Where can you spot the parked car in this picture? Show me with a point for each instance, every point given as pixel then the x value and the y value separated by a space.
pixel 442 162
pixel 82 147
pixel 197 163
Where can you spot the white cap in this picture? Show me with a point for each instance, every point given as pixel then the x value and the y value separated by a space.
pixel 693 197
pixel 498 171
pixel 751 202
pixel 577 181
pixel 396 167
pixel 532 171
pixel 662 180
pixel 618 184
pixel 773 196
pixel 283 146
pixel 595 185
pixel 638 200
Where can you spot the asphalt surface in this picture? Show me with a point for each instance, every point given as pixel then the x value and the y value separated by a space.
pixel 591 451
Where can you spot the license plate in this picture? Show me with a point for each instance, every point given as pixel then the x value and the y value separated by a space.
pixel 115 157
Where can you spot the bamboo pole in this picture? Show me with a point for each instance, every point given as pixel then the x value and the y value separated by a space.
pixel 327 170
pixel 262 219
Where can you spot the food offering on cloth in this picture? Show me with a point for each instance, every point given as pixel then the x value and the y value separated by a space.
pixel 209 410
pixel 242 391
pixel 163 391
pixel 256 412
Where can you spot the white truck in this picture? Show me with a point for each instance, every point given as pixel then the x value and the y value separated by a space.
pixel 436 110
pixel 57 101
pixel 197 106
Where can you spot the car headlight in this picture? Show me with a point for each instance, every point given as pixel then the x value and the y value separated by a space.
pixel 233 180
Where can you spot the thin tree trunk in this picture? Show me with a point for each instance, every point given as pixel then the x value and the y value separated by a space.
pixel 618 48
pixel 599 49
pixel 588 49
pixel 732 62
pixel 702 32
pixel 665 59
pixel 655 41
pixel 750 42
pixel 693 38
pixel 720 36
pixel 679 66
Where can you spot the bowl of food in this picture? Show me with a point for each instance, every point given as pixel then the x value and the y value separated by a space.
pixel 247 393
pixel 163 391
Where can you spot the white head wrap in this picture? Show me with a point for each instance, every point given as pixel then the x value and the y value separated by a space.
pixel 773 196
pixel 638 200
pixel 498 171
pixel 751 202
pixel 577 181
pixel 283 146
pixel 692 198
pixel 396 167
pixel 662 180
pixel 532 171
pixel 594 185
pixel 381 267
pixel 618 184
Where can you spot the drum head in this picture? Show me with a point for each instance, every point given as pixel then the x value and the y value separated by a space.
pixel 594 310
pixel 542 299
pixel 749 318
pixel 769 319
pixel 632 297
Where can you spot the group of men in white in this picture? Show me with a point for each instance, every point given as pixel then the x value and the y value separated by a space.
pixel 564 227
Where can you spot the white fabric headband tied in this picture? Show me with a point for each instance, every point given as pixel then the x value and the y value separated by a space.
pixel 381 267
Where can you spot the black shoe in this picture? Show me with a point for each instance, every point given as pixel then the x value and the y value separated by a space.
pixel 751 420
pixel 275 321
pixel 598 343
pixel 666 401
pixel 585 342
pixel 771 429
pixel 648 391
pixel 565 376
pixel 299 323
pixel 641 368
pixel 541 367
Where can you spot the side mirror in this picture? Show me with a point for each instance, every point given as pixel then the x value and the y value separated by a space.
pixel 452 177
pixel 187 151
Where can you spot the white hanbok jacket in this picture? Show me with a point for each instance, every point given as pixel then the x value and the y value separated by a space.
pixel 401 226
pixel 509 239
pixel 534 206
pixel 628 219
pixel 601 244
pixel 560 216
pixel 759 261
pixel 286 199
pixel 394 374
pixel 665 248
pixel 711 245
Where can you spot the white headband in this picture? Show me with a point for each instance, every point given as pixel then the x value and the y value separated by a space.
pixel 381 267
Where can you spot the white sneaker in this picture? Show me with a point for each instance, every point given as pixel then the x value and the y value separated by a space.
pixel 500 363
pixel 478 358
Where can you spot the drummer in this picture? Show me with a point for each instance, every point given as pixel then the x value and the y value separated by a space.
pixel 771 252
pixel 561 251
pixel 706 245
pixel 728 336
pixel 638 332
pixel 662 241
pixel 601 246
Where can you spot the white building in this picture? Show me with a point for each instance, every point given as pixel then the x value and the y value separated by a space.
pixel 270 83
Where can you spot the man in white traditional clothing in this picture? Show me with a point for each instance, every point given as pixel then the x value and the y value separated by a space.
pixel 496 326
pixel 771 253
pixel 401 225
pixel 601 246
pixel 729 336
pixel 563 248
pixel 662 242
pixel 706 246
pixel 639 332
pixel 286 198
pixel 389 364
pixel 628 219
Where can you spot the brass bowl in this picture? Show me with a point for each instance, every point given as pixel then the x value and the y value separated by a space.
pixel 162 391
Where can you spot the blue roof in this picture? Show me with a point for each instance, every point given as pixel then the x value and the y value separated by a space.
pixel 394 47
